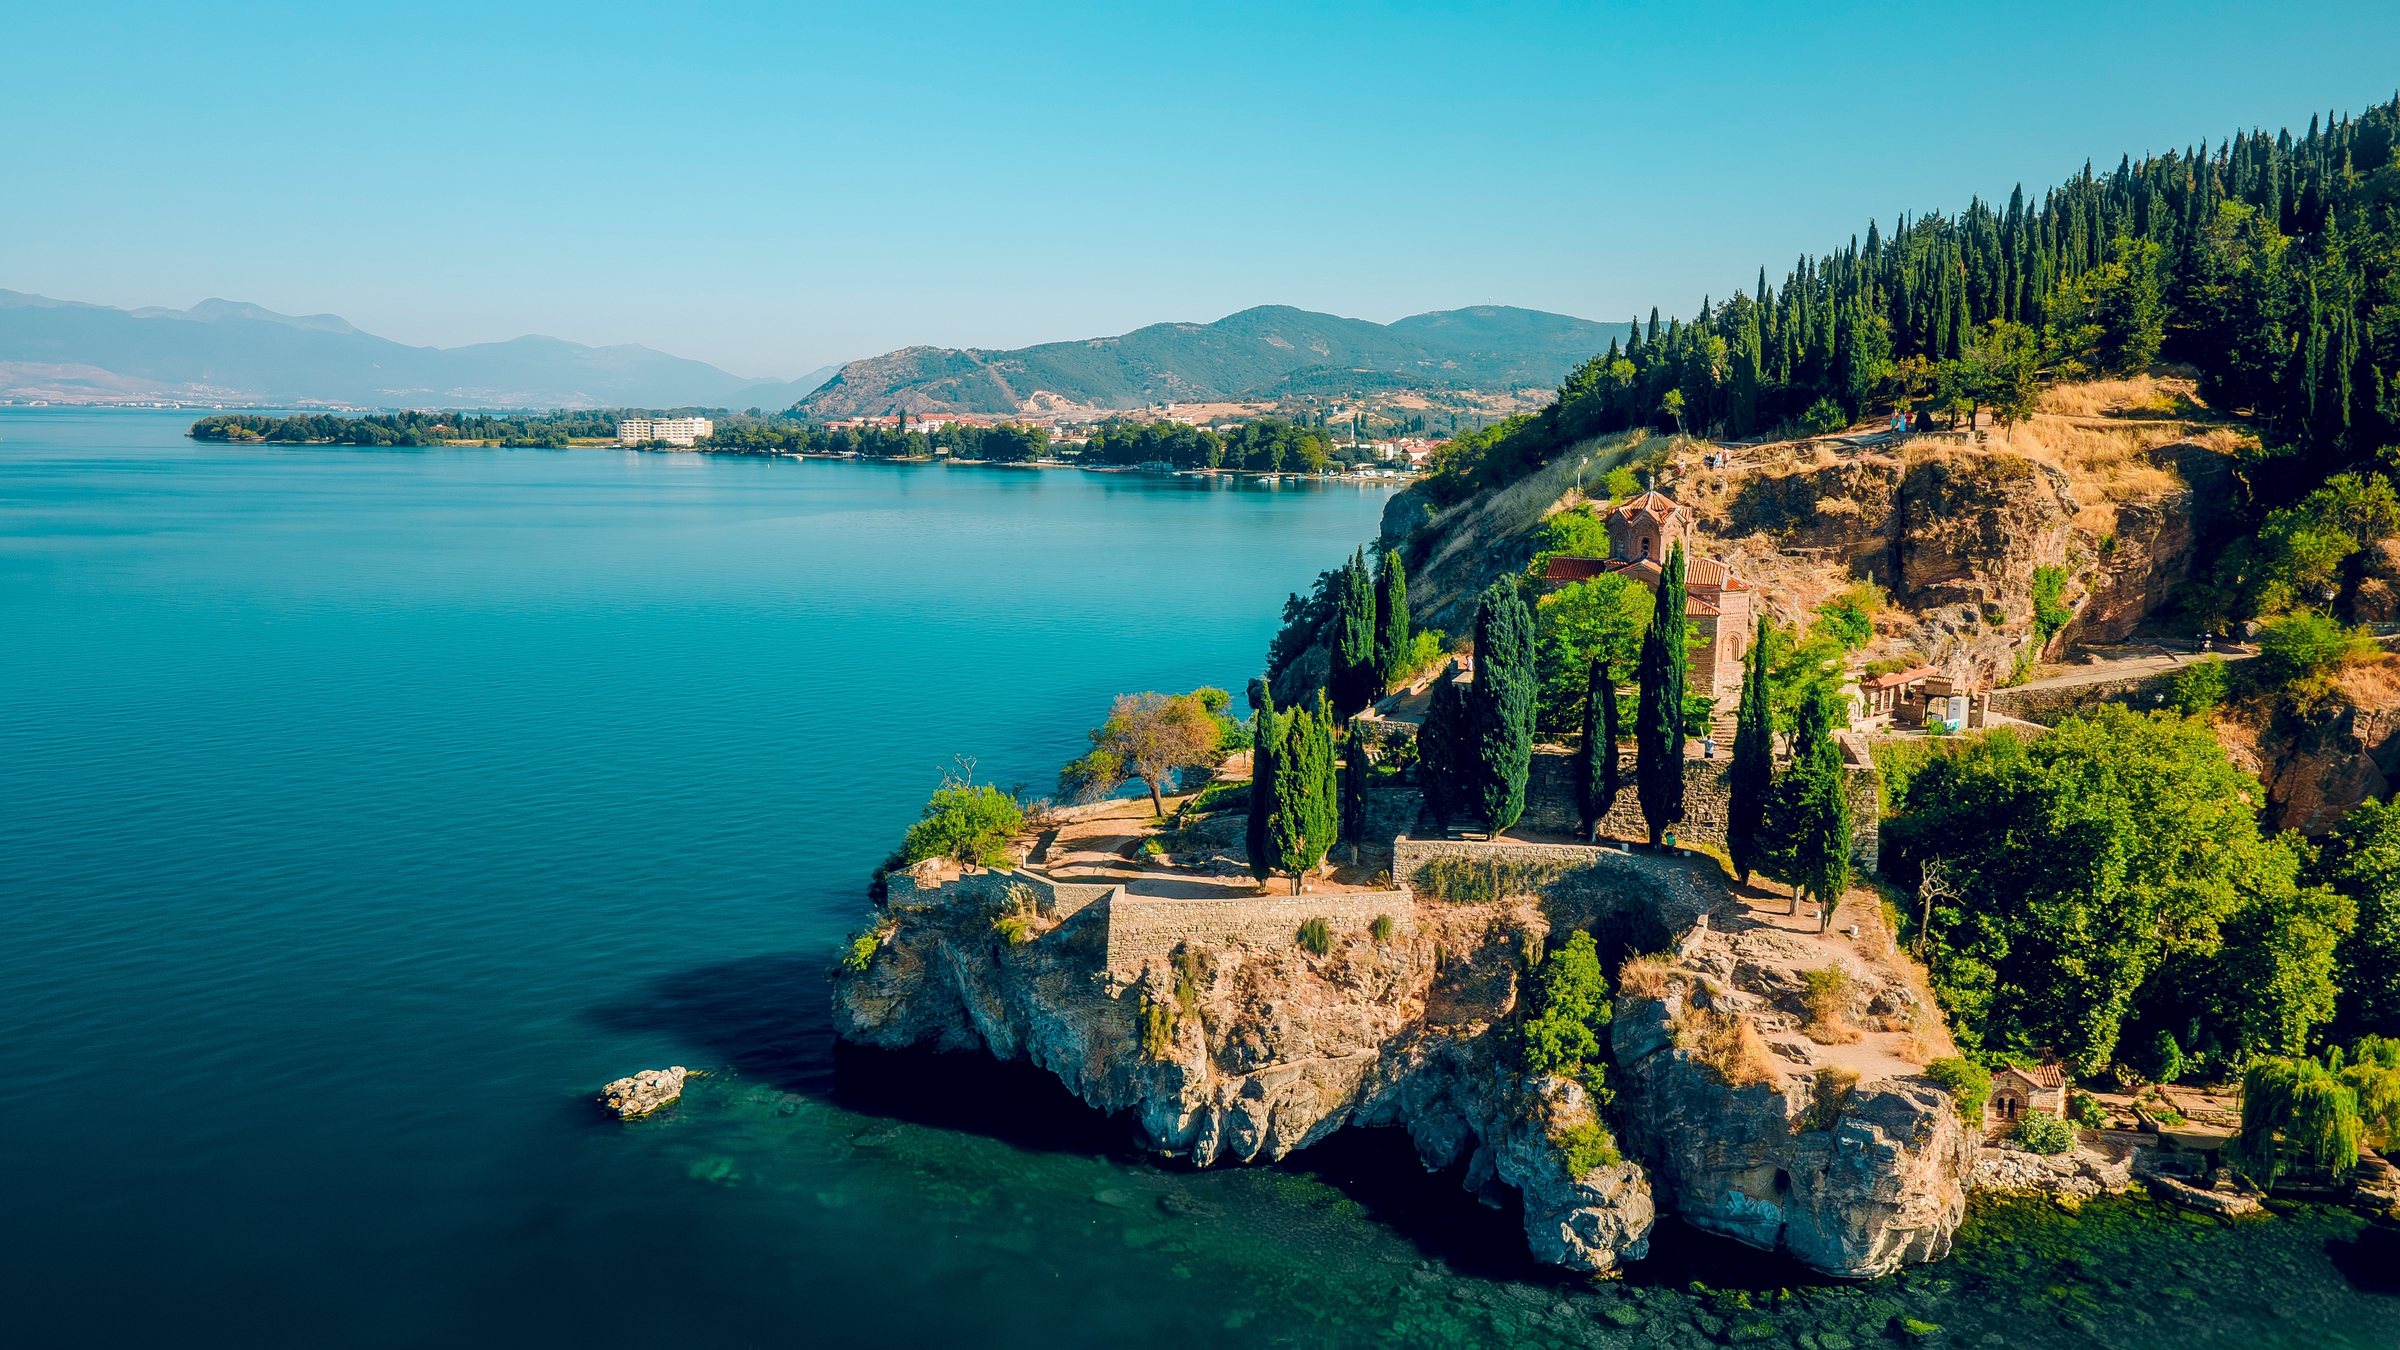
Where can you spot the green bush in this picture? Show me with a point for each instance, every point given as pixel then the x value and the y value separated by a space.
pixel 1470 881
pixel 1426 648
pixel 1381 929
pixel 2305 646
pixel 1316 937
pixel 1823 418
pixel 2087 1112
pixel 1621 482
pixel 1158 1029
pixel 1222 795
pixel 1970 1083
pixel 2200 686
pixel 2041 1132
pixel 2049 614
pixel 1587 1146
pixel 968 823
pixel 861 951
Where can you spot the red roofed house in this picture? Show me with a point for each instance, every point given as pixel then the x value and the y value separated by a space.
pixel 1640 534
pixel 2017 1091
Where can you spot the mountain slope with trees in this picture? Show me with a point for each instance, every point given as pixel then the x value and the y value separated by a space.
pixel 1262 352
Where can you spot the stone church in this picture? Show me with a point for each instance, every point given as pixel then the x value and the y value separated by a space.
pixel 1719 605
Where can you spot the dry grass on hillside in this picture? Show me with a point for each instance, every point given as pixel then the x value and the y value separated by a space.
pixel 1648 977
pixel 2140 396
pixel 1729 1044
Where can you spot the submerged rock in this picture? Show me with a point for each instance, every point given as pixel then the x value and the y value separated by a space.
pixel 643 1093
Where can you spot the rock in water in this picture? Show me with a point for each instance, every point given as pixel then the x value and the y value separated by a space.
pixel 643 1093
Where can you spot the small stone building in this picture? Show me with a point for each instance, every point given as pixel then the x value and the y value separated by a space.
pixel 1719 604
pixel 2015 1092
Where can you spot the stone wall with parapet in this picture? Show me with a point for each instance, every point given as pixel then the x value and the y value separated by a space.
pixel 1059 900
pixel 1148 927
pixel 2051 706
pixel 1675 894
pixel 1707 802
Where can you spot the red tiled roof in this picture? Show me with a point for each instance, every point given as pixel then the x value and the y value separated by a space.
pixel 1908 676
pixel 1656 504
pixel 1579 569
pixel 2040 1075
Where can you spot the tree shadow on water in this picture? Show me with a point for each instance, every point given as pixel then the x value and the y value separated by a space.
pixel 770 1018
pixel 2371 1261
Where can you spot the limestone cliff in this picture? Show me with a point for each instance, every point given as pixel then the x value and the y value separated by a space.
pixel 2316 765
pixel 1220 1037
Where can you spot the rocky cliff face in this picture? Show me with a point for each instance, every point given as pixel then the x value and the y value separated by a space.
pixel 1880 1186
pixel 2316 768
pixel 1242 1050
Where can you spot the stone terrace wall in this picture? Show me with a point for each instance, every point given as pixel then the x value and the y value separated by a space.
pixel 1146 927
pixel 1707 801
pixel 1673 893
pixel 2054 705
pixel 1061 900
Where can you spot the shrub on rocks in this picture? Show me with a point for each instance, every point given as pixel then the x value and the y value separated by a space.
pixel 2041 1132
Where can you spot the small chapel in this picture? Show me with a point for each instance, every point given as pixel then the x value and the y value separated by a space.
pixel 1641 532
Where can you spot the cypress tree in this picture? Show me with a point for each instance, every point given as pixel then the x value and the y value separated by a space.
pixel 1596 783
pixel 1354 790
pixel 1265 739
pixel 1302 822
pixel 1658 721
pixel 1324 786
pixel 1753 771
pixel 1438 745
pixel 1500 706
pixel 1354 639
pixel 1391 618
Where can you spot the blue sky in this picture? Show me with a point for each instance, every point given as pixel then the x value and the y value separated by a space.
pixel 776 188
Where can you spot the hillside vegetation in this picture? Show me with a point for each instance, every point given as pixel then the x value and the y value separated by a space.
pixel 1264 353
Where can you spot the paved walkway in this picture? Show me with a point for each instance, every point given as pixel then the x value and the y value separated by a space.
pixel 2134 662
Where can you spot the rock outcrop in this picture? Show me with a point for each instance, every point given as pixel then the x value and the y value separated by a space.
pixel 2318 766
pixel 1878 1184
pixel 1247 1045
pixel 643 1093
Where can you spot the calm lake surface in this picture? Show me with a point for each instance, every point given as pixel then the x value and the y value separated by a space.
pixel 361 812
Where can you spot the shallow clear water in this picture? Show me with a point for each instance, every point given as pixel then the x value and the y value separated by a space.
pixel 362 811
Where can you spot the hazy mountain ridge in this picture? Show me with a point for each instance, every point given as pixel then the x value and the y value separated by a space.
pixel 231 351
pixel 1256 353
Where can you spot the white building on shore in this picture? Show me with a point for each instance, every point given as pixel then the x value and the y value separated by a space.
pixel 671 430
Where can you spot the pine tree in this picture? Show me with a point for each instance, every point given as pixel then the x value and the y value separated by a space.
pixel 1439 744
pixel 1500 706
pixel 1658 721
pixel 1596 783
pixel 1391 618
pixel 1266 737
pixel 1752 775
pixel 1354 677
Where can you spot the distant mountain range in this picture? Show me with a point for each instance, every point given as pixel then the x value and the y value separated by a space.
pixel 1257 355
pixel 225 351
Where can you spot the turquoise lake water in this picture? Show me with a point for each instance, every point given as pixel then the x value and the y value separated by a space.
pixel 365 810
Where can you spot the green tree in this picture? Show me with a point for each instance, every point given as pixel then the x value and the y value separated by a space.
pixel 1500 705
pixel 1582 621
pixel 2277 970
pixel 2294 1111
pixel 1809 819
pixel 1567 1035
pixel 1391 619
pixel 1147 736
pixel 2361 859
pixel 1355 769
pixel 1658 719
pixel 1442 757
pixel 1355 674
pixel 1751 777
pixel 1300 827
pixel 1596 784
pixel 1266 741
pixel 969 822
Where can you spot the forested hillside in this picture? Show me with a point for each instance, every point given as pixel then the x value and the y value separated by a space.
pixel 2270 264
pixel 1262 353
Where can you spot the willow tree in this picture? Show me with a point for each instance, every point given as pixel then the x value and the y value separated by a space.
pixel 1500 705
pixel 2294 1111
pixel 1658 720
pixel 1752 775
pixel 1596 782
pixel 1391 618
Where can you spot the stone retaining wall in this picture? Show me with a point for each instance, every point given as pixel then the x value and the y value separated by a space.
pixel 1671 892
pixel 1060 900
pixel 2051 706
pixel 1146 927
pixel 1707 802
